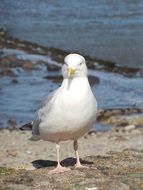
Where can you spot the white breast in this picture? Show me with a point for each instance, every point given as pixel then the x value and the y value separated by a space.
pixel 73 112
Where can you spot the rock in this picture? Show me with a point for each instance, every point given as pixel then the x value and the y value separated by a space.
pixel 90 188
pixel 93 80
pixel 52 67
pixel 121 117
pixel 7 72
pixel 117 121
pixel 129 127
pixel 128 72
pixel 54 78
pixel 14 81
pixel 57 54
pixel 2 32
pixel 11 152
pixel 12 124
pixel 28 65
pixel 107 65
pixel 10 61
pixel 91 64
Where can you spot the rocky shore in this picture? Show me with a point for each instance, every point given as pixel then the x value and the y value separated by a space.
pixel 115 156
pixel 56 55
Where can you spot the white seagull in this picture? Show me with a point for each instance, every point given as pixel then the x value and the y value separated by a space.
pixel 69 112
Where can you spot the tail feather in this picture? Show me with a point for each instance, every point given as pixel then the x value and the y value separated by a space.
pixel 27 127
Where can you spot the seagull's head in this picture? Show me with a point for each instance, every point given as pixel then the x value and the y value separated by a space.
pixel 74 66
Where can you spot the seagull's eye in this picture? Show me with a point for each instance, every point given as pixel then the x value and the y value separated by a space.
pixel 80 64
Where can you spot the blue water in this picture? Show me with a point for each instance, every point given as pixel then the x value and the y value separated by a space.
pixel 104 29
pixel 20 100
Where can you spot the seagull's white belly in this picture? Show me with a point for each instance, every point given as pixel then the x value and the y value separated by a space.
pixel 71 123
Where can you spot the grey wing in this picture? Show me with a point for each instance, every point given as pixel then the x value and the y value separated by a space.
pixel 38 117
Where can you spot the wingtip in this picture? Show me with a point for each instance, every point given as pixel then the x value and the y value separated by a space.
pixel 27 127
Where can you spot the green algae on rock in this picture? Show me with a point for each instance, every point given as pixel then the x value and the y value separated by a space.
pixel 5 170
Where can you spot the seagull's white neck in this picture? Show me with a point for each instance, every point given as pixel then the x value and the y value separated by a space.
pixel 77 84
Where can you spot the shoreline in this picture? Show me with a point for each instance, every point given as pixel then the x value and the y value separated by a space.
pixel 59 54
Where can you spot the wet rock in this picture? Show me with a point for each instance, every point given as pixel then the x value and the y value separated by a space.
pixel 134 119
pixel 14 81
pixel 58 55
pixel 52 67
pixel 54 78
pixel 128 72
pixel 9 61
pixel 28 65
pixel 2 32
pixel 93 80
pixel 113 112
pixel 12 61
pixel 12 124
pixel 107 65
pixel 91 64
pixel 7 72
pixel 121 117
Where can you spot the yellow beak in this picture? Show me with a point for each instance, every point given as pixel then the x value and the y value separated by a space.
pixel 71 71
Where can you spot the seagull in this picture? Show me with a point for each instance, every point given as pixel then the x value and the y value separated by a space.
pixel 69 112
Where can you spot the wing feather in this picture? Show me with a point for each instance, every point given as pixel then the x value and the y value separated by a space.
pixel 38 116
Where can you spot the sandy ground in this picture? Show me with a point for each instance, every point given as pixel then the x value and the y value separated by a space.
pixel 16 151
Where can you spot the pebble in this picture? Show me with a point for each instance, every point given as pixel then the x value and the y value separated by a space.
pixel 15 81
pixel 129 127
pixel 11 152
pixel 2 32
pixel 12 122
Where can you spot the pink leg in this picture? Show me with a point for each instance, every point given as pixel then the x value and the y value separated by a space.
pixel 59 168
pixel 78 163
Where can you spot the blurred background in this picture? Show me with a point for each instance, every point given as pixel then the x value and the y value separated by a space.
pixel 110 30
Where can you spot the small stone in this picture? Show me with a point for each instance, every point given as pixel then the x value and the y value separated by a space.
pixel 9 61
pixel 28 65
pixel 90 188
pixel 28 152
pixel 11 152
pixel 93 80
pixel 12 124
pixel 7 72
pixel 2 32
pixel 52 67
pixel 129 127
pixel 14 80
